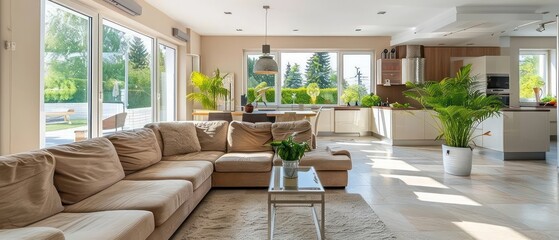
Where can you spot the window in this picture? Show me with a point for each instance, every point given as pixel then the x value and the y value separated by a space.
pixel 166 78
pixel 67 75
pixel 134 77
pixel 356 77
pixel 260 88
pixel 309 78
pixel 533 67
pixel 127 78
pixel 312 77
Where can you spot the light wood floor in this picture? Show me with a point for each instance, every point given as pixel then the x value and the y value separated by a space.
pixel 408 189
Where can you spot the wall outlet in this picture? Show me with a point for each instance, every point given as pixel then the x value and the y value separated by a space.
pixel 9 45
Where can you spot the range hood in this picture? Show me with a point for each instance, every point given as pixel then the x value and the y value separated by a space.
pixel 413 66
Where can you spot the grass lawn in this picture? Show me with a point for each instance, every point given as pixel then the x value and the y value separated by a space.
pixel 64 125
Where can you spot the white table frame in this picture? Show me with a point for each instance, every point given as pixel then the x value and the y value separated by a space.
pixel 274 203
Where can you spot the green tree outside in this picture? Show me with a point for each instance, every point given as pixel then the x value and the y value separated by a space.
pixel 293 77
pixel 319 70
pixel 529 76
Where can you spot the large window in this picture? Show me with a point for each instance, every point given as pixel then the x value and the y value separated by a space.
pixel 127 78
pixel 67 75
pixel 533 73
pixel 312 77
pixel 309 78
pixel 130 84
pixel 356 76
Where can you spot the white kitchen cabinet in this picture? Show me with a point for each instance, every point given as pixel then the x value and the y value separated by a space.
pixel 405 127
pixel 326 120
pixel 352 121
pixel 408 125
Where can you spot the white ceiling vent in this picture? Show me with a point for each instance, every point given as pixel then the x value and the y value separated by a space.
pixel 129 6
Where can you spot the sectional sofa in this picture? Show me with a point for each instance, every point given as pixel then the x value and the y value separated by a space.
pixel 143 183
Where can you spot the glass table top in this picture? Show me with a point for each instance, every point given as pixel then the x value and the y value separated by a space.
pixel 306 182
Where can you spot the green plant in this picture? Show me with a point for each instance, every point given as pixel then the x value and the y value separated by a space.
pixel 290 150
pixel 353 93
pixel 210 89
pixel 547 99
pixel 400 105
pixel 313 90
pixel 458 106
pixel 370 100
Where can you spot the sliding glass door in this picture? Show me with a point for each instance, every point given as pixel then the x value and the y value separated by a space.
pixel 127 78
pixel 68 75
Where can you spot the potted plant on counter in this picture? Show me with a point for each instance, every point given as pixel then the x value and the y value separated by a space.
pixel 290 153
pixel 460 108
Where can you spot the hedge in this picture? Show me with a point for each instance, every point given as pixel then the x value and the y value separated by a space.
pixel 326 96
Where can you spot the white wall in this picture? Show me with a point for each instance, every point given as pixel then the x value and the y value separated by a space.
pixel 20 70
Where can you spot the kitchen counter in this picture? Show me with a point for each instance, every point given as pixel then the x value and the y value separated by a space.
pixel 346 108
pixel 526 109
pixel 393 108
pixel 406 128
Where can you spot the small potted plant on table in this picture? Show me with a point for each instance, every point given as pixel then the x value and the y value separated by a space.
pixel 290 153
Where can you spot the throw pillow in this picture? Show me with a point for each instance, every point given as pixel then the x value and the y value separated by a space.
pixel 137 149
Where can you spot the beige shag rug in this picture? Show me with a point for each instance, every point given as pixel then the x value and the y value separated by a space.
pixel 243 214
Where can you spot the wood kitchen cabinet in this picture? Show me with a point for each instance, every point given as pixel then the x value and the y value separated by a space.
pixel 389 69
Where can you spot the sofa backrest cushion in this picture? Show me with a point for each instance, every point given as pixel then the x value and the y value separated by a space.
pixel 179 138
pixel 85 168
pixel 249 137
pixel 155 128
pixel 27 192
pixel 137 149
pixel 301 131
pixel 212 135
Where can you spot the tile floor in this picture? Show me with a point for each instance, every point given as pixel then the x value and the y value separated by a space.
pixel 408 189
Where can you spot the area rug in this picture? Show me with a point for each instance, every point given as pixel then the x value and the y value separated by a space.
pixel 243 214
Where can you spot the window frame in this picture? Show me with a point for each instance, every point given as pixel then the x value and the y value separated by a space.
pixel 339 70
pixel 157 80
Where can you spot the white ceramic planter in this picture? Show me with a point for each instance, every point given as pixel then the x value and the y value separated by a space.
pixel 290 168
pixel 457 161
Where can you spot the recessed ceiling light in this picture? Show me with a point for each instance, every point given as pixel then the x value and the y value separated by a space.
pixel 295 30
pixel 381 12
pixel 358 29
pixel 239 29
pixel 228 13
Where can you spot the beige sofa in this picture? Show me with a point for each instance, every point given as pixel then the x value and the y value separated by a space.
pixel 143 183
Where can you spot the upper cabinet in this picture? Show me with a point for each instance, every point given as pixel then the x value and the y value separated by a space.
pixel 389 70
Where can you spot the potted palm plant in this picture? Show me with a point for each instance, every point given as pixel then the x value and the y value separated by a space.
pixel 460 108
pixel 210 89
pixel 290 153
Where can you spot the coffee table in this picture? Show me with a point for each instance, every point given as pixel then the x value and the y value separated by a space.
pixel 303 191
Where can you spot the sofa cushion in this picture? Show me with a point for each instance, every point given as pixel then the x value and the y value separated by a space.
pixel 212 135
pixel 32 233
pixel 210 156
pixel 137 149
pixel 27 192
pixel 249 137
pixel 155 128
pixel 127 224
pixel 179 138
pixel 300 130
pixel 194 171
pixel 161 197
pixel 322 160
pixel 245 162
pixel 85 168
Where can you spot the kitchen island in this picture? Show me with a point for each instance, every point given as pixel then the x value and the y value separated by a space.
pixel 405 126
pixel 520 133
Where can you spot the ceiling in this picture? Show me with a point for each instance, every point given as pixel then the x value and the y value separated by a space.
pixel 427 22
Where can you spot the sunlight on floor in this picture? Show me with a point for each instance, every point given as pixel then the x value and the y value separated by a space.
pixel 376 151
pixel 445 198
pixel 417 181
pixel 354 144
pixel 392 165
pixel 489 231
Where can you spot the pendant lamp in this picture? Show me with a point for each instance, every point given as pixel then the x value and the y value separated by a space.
pixel 266 63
